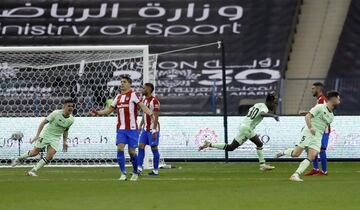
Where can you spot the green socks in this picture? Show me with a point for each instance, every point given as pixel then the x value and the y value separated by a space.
pixel 24 156
pixel 288 152
pixel 40 164
pixel 260 155
pixel 303 166
pixel 259 152
pixel 218 145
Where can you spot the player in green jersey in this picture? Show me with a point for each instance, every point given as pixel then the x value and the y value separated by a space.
pixel 247 130
pixel 318 118
pixel 49 132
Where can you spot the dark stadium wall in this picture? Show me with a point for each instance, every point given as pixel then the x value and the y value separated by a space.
pixel 344 71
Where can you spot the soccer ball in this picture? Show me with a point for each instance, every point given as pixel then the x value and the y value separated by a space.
pixel 17 135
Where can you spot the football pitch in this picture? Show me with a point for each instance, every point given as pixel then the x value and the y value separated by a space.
pixel 198 186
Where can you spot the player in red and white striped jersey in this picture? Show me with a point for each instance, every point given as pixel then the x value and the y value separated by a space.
pixel 150 129
pixel 317 90
pixel 126 104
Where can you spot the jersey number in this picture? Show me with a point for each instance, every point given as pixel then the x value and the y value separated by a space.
pixel 252 113
pixel 303 138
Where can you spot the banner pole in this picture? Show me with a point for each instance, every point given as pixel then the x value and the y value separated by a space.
pixel 224 93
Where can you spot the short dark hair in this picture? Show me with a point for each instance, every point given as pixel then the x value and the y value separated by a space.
pixel 332 93
pixel 150 85
pixel 318 84
pixel 127 78
pixel 69 100
pixel 270 97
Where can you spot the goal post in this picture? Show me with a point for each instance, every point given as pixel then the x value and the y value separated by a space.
pixel 36 79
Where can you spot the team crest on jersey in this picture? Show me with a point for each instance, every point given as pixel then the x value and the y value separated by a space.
pixel 206 134
pixel 127 98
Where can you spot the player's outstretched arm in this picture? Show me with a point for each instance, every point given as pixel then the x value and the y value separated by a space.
pixel 264 114
pixel 106 111
pixel 145 108
pixel 303 113
pixel 40 128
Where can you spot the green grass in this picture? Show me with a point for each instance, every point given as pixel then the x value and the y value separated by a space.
pixel 200 186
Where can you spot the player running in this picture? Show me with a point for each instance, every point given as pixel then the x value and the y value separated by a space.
pixel 317 91
pixel 126 104
pixel 49 132
pixel 316 120
pixel 150 129
pixel 255 115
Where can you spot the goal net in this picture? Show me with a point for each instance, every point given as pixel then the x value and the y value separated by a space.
pixel 35 80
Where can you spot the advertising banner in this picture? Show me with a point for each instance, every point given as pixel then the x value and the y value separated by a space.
pixel 94 138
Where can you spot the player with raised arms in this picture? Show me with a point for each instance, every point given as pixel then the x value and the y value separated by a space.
pixel 150 129
pixel 318 118
pixel 49 132
pixel 126 104
pixel 247 130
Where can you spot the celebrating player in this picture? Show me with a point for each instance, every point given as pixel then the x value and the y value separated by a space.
pixel 317 120
pixel 151 129
pixel 255 115
pixel 56 124
pixel 126 104
pixel 317 91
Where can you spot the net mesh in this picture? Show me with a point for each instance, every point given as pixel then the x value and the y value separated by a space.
pixel 34 83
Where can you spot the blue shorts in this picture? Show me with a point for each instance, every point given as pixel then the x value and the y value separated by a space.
pixel 146 138
pixel 325 141
pixel 129 137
